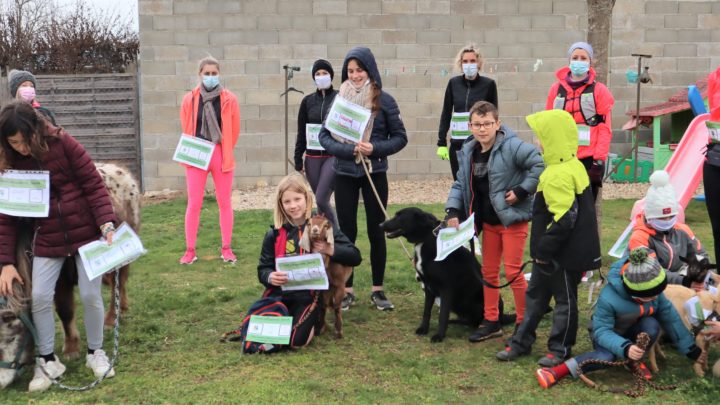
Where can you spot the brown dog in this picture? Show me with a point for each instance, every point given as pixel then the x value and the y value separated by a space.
pixel 679 295
pixel 319 228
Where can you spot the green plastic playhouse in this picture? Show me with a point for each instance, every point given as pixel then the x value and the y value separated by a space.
pixel 669 120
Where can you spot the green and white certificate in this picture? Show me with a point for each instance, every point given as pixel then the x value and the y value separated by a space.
pixel 99 258
pixel 25 193
pixel 449 239
pixel 460 126
pixel 194 151
pixel 312 136
pixel 347 120
pixel 269 329
pixel 305 272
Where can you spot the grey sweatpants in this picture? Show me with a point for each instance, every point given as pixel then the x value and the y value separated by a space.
pixel 46 271
pixel 321 176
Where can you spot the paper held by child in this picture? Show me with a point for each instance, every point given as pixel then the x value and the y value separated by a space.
pixel 99 258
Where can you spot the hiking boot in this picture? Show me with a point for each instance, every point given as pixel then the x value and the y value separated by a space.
pixel 509 354
pixel 550 360
pixel 486 330
pixel 189 257
pixel 41 380
pixel 227 255
pixel 380 300
pixel 99 363
pixel 546 377
pixel 347 301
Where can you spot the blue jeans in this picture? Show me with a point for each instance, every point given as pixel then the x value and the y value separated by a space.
pixel 646 324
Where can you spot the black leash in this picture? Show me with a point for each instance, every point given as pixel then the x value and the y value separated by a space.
pixel 519 273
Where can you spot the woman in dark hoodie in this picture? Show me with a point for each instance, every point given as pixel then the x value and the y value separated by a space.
pixel 383 136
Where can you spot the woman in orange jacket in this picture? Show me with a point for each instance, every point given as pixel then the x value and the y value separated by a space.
pixel 590 103
pixel 210 112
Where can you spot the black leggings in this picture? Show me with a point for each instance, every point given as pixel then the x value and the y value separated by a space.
pixel 347 196
pixel 455 147
pixel 300 306
pixel 711 180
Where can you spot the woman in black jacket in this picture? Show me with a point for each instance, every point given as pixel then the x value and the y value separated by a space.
pixel 318 167
pixel 462 92
pixel 293 207
pixel 383 136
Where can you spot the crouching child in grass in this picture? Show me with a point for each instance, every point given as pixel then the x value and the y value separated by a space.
pixel 631 303
pixel 293 207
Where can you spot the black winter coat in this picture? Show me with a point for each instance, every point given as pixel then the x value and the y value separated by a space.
pixel 313 110
pixel 460 95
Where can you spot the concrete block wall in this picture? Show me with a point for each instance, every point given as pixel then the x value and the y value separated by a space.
pixel 414 41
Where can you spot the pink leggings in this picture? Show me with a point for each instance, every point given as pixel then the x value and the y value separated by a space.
pixel 196 179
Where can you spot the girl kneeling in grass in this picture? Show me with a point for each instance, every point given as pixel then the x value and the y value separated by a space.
pixel 293 207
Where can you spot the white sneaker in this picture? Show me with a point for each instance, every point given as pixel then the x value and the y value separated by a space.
pixel 40 381
pixel 99 364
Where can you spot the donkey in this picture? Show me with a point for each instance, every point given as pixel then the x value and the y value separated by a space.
pixel 16 346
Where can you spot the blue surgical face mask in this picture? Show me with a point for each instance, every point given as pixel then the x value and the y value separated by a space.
pixel 662 225
pixel 211 81
pixel 579 67
pixel 470 69
pixel 323 82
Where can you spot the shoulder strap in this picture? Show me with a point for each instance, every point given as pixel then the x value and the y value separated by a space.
pixel 280 242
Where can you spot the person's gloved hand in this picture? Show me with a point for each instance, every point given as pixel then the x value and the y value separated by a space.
pixel 443 153
pixel 597 171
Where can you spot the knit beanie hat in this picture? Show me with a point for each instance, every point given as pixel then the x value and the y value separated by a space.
pixel 16 77
pixel 660 200
pixel 580 45
pixel 322 64
pixel 643 276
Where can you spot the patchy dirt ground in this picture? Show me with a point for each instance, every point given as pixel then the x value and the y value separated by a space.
pixel 401 192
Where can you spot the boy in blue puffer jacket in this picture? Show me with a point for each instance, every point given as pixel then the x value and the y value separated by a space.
pixel 631 303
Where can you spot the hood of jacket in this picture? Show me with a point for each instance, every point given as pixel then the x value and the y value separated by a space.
pixel 558 136
pixel 367 59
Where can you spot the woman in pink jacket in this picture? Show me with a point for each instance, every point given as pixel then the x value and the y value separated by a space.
pixel 210 112
pixel 590 103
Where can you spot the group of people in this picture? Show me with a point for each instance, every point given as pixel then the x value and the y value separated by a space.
pixel 501 180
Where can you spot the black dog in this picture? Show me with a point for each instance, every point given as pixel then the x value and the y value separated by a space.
pixel 457 279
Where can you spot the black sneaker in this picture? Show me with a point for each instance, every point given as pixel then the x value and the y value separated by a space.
pixel 347 301
pixel 381 302
pixel 486 330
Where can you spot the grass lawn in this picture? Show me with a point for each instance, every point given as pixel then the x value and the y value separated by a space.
pixel 170 351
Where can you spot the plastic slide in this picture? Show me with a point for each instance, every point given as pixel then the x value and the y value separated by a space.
pixel 685 170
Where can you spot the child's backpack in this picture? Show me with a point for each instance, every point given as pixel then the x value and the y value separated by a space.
pixel 266 306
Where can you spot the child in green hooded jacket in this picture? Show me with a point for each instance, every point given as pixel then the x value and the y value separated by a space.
pixel 564 240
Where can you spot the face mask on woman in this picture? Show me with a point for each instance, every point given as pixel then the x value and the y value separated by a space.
pixel 323 82
pixel 579 67
pixel 662 225
pixel 470 69
pixel 210 81
pixel 26 93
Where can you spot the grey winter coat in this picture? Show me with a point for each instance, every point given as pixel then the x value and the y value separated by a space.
pixel 513 163
pixel 388 133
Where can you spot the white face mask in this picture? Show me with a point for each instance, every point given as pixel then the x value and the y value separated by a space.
pixel 470 69
pixel 662 224
pixel 323 82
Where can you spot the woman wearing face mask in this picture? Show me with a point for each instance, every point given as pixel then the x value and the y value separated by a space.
pixel 590 103
pixel 658 230
pixel 318 163
pixel 384 135
pixel 462 93
pixel 211 112
pixel 22 87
